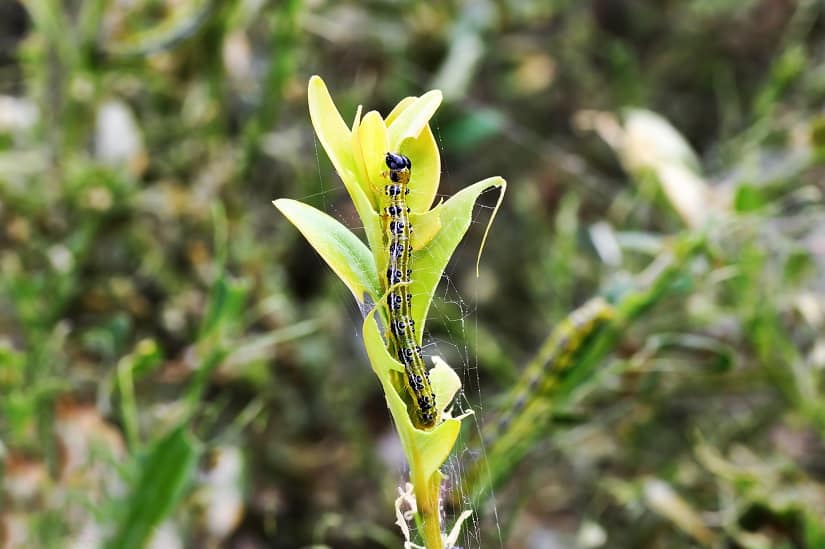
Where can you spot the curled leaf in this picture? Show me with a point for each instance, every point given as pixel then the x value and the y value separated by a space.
pixel 453 218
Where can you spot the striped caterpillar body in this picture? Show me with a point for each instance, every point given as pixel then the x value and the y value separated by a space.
pixel 399 300
pixel 554 357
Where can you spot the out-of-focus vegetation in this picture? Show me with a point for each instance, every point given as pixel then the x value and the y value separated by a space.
pixel 177 367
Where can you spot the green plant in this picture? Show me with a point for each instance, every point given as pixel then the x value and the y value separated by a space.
pixel 359 158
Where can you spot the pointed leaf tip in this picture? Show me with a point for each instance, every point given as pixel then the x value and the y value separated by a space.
pixel 453 217
pixel 344 252
pixel 414 118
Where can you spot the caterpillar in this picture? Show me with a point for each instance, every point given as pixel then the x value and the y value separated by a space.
pixel 556 355
pixel 401 333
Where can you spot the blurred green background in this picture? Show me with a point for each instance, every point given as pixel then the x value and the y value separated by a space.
pixel 179 369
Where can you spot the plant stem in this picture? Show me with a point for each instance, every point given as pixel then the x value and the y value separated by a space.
pixel 426 497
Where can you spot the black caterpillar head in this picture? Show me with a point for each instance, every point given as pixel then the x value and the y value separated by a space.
pixel 397 161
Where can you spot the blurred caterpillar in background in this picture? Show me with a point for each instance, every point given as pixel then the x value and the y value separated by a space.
pixel 399 300
pixel 552 359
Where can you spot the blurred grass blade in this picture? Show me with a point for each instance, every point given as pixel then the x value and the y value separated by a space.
pixel 227 301
pixel 722 356
pixel 181 26
pixel 814 530
pixel 663 499
pixel 158 488
pixel 145 358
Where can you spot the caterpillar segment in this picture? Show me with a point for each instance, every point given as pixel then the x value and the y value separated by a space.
pixel 399 300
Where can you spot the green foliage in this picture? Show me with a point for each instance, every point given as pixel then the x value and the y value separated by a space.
pixel 158 487
pixel 666 160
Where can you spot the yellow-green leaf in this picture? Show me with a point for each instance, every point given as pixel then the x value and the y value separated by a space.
pixel 412 120
pixel 357 159
pixel 454 218
pixel 426 227
pixel 338 246
pixel 433 447
pixel 331 130
pixel 372 138
pixel 425 157
pixel 400 107
pixel 445 383
pixel 336 138
pixel 426 169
